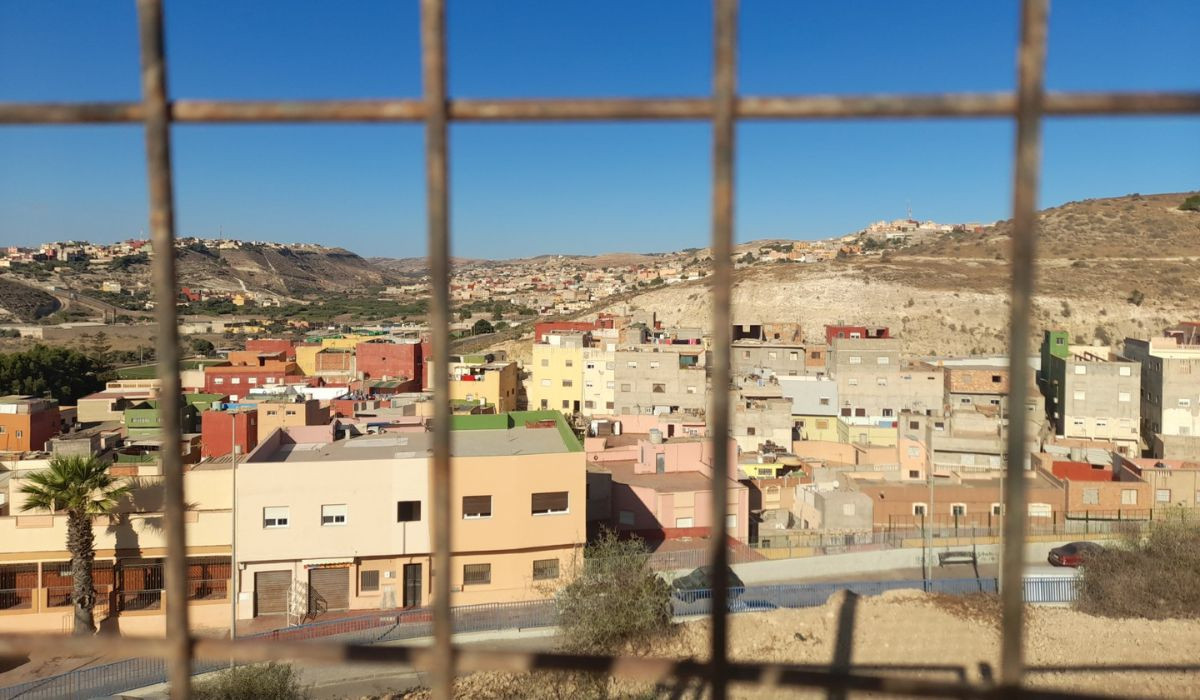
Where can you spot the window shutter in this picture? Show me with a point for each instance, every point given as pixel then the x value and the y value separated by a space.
pixel 555 501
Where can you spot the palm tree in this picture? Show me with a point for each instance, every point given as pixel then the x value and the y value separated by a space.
pixel 83 488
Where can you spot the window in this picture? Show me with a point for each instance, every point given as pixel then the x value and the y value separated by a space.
pixel 270 380
pixel 1080 395
pixel 658 389
pixel 477 507
pixel 568 383
pixel 589 404
pixel 996 379
pixel 691 390
pixel 881 381
pixel 847 509
pixel 1040 510
pixel 477 573
pixel 1185 403
pixel 272 412
pixel 793 356
pixel 275 516
pixel 1080 369
pixel 816 355
pixel 218 380
pixel 887 413
pixel 625 517
pixel 860 412
pixel 965 400
pixel 771 355
pixel 914 474
pixel 20 434
pixel 545 569
pixel 545 362
pixel 1128 497
pixel 609 404
pixel 958 509
pixel 731 522
pixel 235 380
pixel 334 514
pixel 610 385
pixel 551 502
pixel 855 360
pixel 882 360
pixel 1162 496
pixel 750 430
pixel 995 509
pixel 653 364
pixel 852 381
pixel 570 363
pixel 822 424
pixel 632 364
pixel 1123 397
pixel 914 425
pixel 566 404
pixel 914 451
pixel 1091 496
pixel 408 511
pixel 368 581
pixel 745 354
pixel 918 509
pixel 846 412
pixel 683 522
pixel 1124 371
pixel 824 401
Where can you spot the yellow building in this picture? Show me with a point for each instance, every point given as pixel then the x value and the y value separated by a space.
pixel 306 358
pixel 556 374
pixel 478 380
pixel 348 341
pixel 873 435
pixel 824 428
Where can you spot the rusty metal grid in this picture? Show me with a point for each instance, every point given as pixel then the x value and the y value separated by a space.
pixel 723 108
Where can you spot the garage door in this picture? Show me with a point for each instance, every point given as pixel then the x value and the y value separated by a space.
pixel 271 592
pixel 328 589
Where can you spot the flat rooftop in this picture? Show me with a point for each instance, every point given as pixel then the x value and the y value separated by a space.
pixel 667 482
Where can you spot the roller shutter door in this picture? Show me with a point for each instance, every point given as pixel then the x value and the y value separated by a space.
pixel 271 592
pixel 328 589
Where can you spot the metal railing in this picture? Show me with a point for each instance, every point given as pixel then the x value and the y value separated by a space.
pixel 400 625
pixel 435 109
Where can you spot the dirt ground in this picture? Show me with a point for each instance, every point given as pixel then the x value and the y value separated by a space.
pixel 950 637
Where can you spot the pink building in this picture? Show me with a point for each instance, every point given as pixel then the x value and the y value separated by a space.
pixel 662 487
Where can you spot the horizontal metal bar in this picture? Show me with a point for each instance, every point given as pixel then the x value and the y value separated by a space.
pixel 472 660
pixel 610 109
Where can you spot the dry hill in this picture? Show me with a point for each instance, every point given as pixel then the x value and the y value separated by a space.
pixel 950 295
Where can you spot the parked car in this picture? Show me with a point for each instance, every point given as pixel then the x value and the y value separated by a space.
pixel 699 583
pixel 1073 553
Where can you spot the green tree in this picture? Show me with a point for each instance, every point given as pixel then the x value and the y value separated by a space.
pixel 63 373
pixel 615 600
pixel 481 327
pixel 83 488
pixel 200 346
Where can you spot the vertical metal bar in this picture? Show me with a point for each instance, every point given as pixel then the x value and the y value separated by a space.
pixel 162 235
pixel 1031 60
pixel 724 91
pixel 433 61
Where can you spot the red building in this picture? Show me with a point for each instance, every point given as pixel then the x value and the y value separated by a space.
pixel 216 431
pixel 236 381
pixel 840 331
pixel 386 359
pixel 544 328
pixel 273 345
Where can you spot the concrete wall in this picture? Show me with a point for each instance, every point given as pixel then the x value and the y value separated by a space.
pixel 640 373
pixel 810 395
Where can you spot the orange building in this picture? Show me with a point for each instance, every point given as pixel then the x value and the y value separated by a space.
pixel 27 422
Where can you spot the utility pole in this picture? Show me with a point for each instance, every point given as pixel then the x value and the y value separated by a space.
pixel 233 570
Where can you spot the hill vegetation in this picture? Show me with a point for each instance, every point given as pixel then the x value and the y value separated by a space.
pixel 25 303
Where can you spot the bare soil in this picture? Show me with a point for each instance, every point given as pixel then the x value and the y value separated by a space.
pixel 935 637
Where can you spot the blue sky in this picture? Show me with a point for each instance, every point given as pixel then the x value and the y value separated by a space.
pixel 530 189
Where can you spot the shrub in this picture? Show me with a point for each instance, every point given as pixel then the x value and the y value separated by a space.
pixel 1191 203
pixel 271 681
pixel 1136 297
pixel 1151 577
pixel 615 600
pixel 1103 335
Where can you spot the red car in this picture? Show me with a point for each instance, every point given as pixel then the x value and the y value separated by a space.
pixel 1073 554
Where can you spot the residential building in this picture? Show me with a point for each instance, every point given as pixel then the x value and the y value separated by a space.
pixel 959 499
pixel 839 330
pixel 1172 483
pixel 556 373
pixel 221 430
pixel 362 540
pixel 143 419
pixel 600 374
pixel 833 503
pixel 974 385
pixel 1096 488
pixel 288 409
pixel 874 387
pixel 659 379
pixel 1091 395
pixel 480 380
pixel 755 423
pixel 273 345
pixel 236 380
pixel 768 350
pixel 662 487
pixel 27 422
pixel 1170 393
pixel 386 358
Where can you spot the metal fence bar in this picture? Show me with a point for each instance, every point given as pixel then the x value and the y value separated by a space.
pixel 1031 62
pixel 724 90
pixel 162 233
pixel 783 107
pixel 433 62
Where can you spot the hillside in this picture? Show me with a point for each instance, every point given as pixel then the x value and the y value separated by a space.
pixel 21 302
pixel 950 295
pixel 286 271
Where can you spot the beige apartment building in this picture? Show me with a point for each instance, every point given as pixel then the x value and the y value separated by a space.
pixel 328 526
pixel 599 374
pixel 661 379
pixel 35 580
pixel 874 386
pixel 480 380
pixel 1170 394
